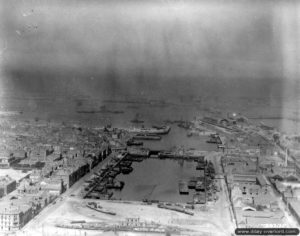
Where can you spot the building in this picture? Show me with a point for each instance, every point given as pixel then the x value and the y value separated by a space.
pixel 54 186
pixel 36 176
pixel 14 216
pixel 71 174
pixel 7 185
pixel 27 187
pixel 240 179
pixel 5 161
pixel 262 182
pixel 249 217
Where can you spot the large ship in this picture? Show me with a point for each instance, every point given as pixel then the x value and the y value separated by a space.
pixel 149 131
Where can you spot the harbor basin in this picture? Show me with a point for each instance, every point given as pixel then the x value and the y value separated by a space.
pixel 156 179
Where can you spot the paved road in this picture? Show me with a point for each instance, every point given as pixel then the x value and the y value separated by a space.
pixel 224 203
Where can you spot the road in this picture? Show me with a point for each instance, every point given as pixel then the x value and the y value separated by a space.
pixel 224 202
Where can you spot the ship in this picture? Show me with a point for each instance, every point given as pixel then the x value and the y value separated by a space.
pixel 174 154
pixel 137 159
pixel 103 109
pixel 88 112
pixel 97 207
pixel 155 131
pixel 158 126
pixel 185 124
pixel 199 198
pixel 146 137
pixel 114 184
pixel 133 142
pixel 126 170
pixel 183 187
pixel 113 173
pixel 136 119
pixel 132 107
pixel 139 152
pixel 214 138
pixel 174 207
pixel 192 183
pixel 125 163
pixel 200 166
pixel 199 186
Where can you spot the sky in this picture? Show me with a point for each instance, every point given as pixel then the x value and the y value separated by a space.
pixel 153 47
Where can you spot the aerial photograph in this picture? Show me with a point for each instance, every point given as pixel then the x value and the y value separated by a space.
pixel 149 117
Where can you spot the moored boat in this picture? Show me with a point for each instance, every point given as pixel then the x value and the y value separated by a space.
pixel 97 207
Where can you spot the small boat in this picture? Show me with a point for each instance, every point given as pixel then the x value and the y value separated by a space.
pixel 115 185
pixel 113 173
pixel 125 164
pixel 126 170
pixel 137 159
pixel 97 207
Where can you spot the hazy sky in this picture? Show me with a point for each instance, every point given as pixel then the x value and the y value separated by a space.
pixel 116 47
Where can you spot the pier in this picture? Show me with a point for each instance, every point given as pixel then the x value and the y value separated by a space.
pixel 105 175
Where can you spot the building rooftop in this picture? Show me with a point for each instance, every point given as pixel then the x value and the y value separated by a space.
pixel 5 180
pixel 261 180
pixel 13 207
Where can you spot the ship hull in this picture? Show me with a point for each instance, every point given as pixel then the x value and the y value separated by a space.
pixel 102 210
